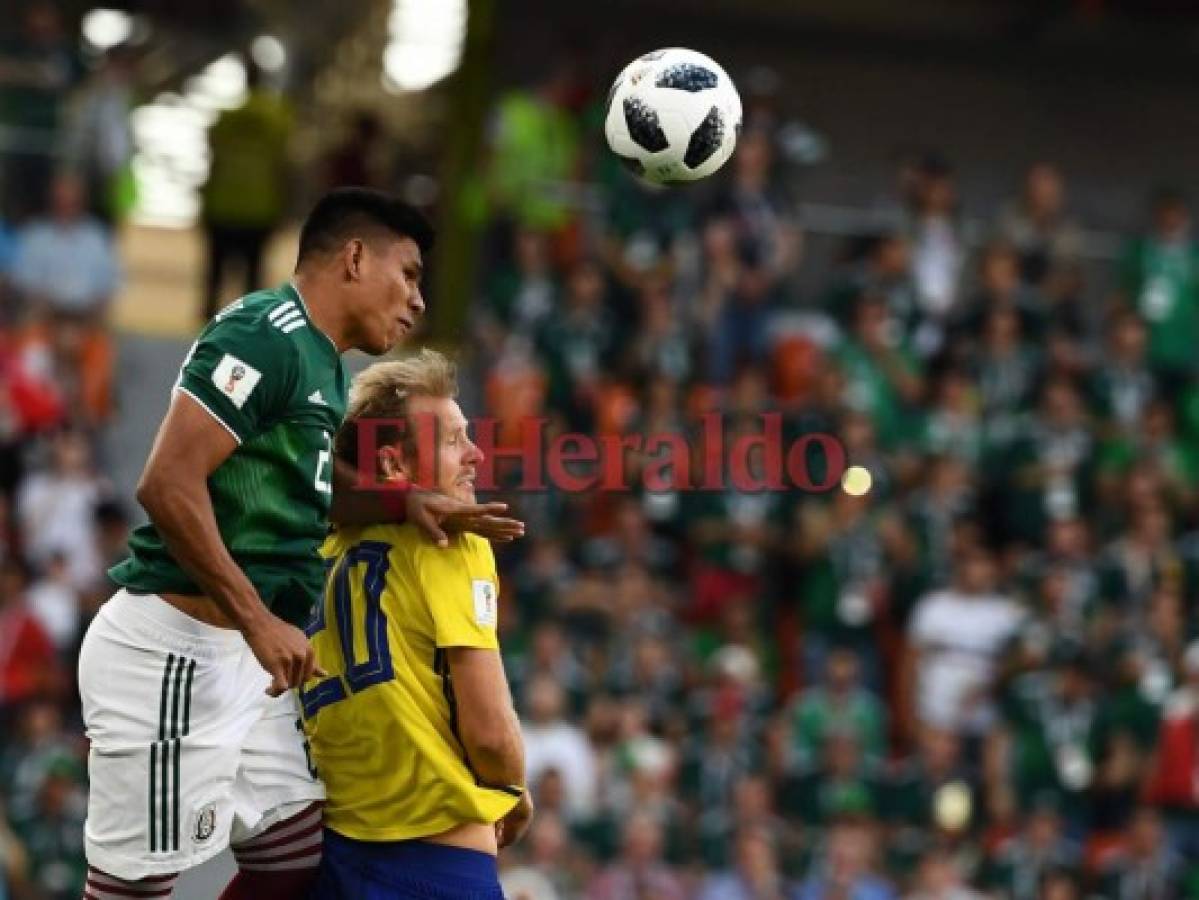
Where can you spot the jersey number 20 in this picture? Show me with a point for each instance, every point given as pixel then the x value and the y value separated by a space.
pixel 376 668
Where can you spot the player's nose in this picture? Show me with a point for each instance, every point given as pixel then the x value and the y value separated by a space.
pixel 474 455
pixel 416 302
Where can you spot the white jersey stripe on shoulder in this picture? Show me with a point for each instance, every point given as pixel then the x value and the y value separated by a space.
pixel 288 319
pixel 292 326
pixel 208 410
pixel 281 309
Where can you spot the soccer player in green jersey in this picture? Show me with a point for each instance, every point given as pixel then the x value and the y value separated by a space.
pixel 186 673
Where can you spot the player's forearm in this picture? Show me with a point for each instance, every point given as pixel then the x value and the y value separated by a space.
pixel 182 512
pixel 497 753
pixel 487 723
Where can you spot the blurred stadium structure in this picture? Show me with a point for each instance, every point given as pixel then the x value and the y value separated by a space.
pixel 957 235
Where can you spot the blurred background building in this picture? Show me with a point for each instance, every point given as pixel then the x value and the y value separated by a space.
pixel 957 234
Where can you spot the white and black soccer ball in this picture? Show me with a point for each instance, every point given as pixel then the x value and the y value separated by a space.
pixel 673 116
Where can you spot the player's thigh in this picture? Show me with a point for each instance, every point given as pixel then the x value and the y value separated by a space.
pixel 276 776
pixel 166 717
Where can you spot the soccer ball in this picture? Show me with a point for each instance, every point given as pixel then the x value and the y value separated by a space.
pixel 673 116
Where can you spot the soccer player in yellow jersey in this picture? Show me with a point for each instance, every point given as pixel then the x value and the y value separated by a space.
pixel 413 731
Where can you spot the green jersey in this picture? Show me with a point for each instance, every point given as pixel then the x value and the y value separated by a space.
pixel 265 372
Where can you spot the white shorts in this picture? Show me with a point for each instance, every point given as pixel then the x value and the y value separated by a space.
pixel 188 753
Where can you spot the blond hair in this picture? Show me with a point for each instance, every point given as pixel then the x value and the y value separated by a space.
pixel 382 392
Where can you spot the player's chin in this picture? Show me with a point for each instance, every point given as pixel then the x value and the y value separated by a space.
pixel 464 491
pixel 387 343
pixel 386 339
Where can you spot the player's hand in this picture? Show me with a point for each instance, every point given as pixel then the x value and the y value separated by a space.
pixel 435 514
pixel 513 826
pixel 283 650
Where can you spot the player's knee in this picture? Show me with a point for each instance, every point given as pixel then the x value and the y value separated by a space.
pixel 292 845
pixel 102 886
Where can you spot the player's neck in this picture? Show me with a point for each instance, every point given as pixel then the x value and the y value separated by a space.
pixel 327 317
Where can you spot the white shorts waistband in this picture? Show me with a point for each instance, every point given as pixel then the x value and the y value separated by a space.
pixel 154 618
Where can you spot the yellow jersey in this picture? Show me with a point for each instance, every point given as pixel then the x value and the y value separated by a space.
pixel 383 724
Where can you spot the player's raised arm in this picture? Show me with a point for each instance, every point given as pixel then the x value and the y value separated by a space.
pixel 190 445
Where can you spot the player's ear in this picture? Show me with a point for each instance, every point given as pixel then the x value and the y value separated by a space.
pixel 352 254
pixel 392 464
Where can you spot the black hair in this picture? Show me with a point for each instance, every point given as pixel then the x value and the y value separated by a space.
pixel 348 212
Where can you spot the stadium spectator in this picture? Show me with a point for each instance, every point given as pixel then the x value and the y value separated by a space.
pixel 1000 288
pixel 100 136
pixel 1044 235
pixel 1123 383
pixel 66 306
pixel 359 160
pixel 245 197
pixel 38 67
pixel 28 667
pixel 839 705
pixel 754 876
pixel 536 146
pixel 883 378
pixel 767 245
pixel 1145 866
pixel 881 267
pixel 1158 279
pixel 940 876
pixel 55 601
pixel 82 289
pixel 1050 717
pixel 1177 753
pixel 549 870
pixel 955 639
pixel 577 340
pixel 938 249
pixel 639 871
pixel 52 833
pixel 8 252
pixel 845 866
pixel 552 742
pixel 1019 866
pixel 56 508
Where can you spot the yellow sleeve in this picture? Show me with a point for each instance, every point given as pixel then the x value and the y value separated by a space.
pixel 461 589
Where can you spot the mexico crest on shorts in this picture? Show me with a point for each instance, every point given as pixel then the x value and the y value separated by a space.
pixel 205 823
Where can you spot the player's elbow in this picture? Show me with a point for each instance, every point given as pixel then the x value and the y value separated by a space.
pixel 155 490
pixel 149 491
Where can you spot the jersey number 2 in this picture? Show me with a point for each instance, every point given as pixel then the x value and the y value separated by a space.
pixel 377 667
pixel 324 462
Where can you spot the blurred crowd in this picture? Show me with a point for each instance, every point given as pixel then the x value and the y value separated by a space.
pixel 978 678
pixel 64 150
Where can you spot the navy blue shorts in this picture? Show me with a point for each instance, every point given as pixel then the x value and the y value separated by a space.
pixel 403 870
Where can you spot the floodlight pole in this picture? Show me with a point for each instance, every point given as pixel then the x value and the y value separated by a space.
pixel 457 250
